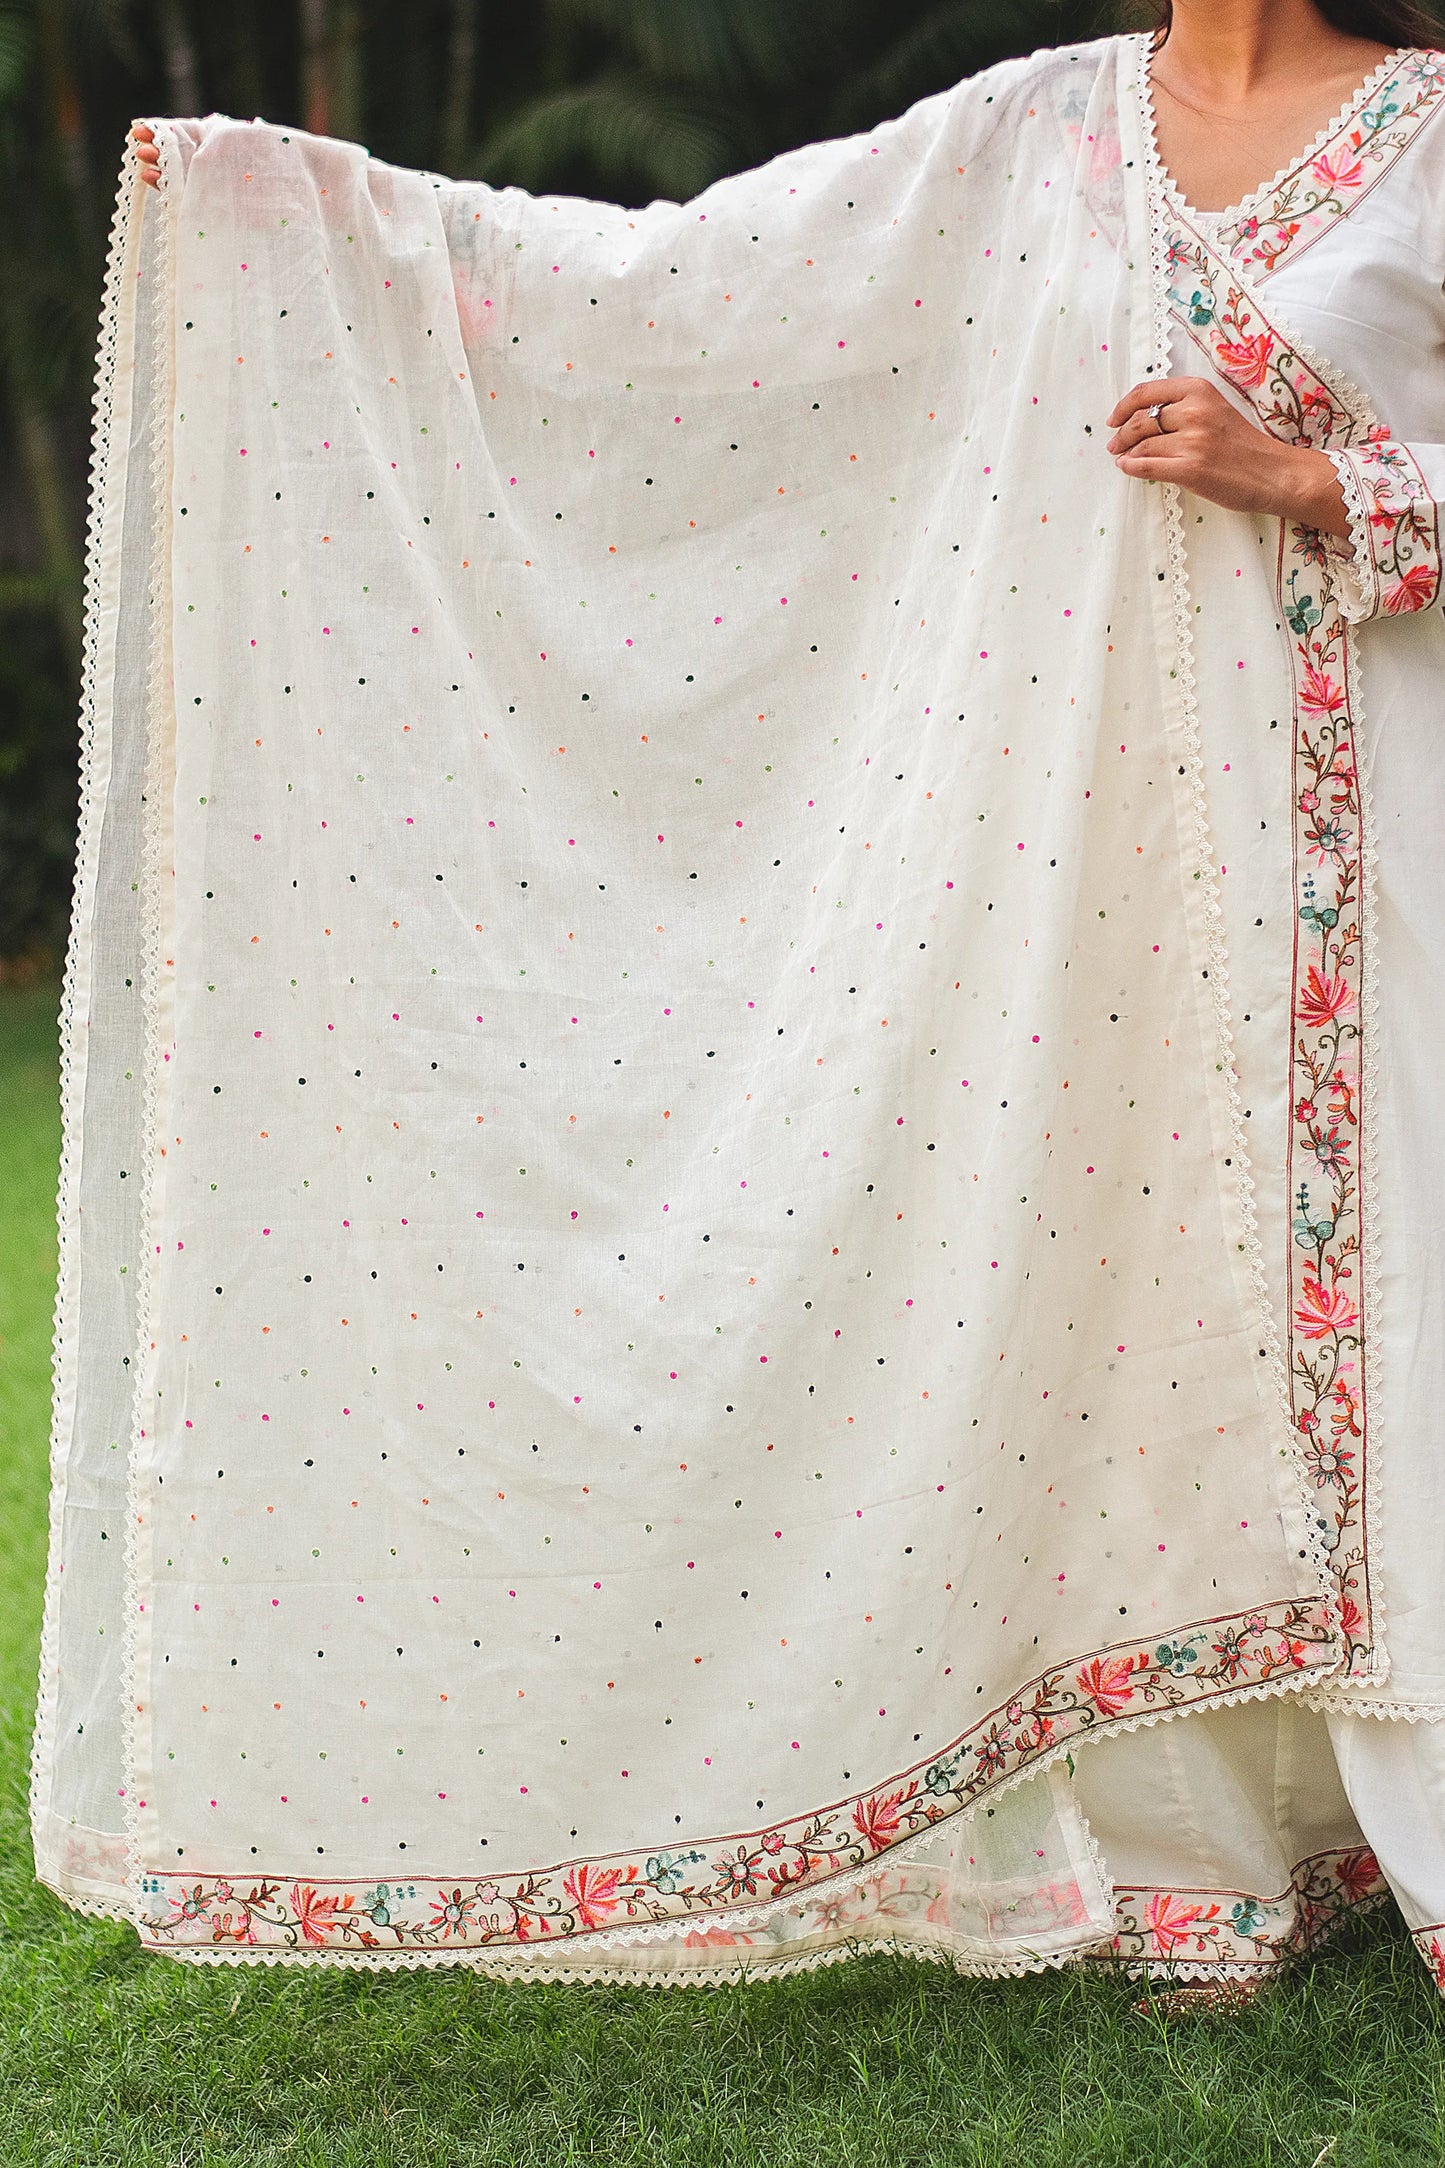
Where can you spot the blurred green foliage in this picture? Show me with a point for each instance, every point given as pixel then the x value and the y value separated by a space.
pixel 622 99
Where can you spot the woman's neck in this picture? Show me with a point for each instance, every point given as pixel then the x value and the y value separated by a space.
pixel 1243 85
pixel 1237 52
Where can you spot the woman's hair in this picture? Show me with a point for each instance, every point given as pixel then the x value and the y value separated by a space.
pixel 1392 22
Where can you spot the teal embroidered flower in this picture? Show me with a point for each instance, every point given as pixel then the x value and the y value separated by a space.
pixel 1176 1656
pixel 668 1871
pixel 376 1904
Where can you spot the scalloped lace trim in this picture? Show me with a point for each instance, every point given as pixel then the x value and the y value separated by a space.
pixel 1254 204
pixel 1157 198
pixel 100 512
pixel 1352 564
pixel 158 690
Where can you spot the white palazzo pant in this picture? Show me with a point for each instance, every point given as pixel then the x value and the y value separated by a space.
pixel 1225 1808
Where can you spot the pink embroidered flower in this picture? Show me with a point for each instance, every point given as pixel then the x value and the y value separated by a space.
pixel 1414 590
pixel 1318 693
pixel 592 1893
pixel 232 1926
pixel 451 1911
pixel 1109 1681
pixel 877 1819
pixel 1170 1921
pixel 1323 1310
pixel 1358 1871
pixel 315 1914
pixel 1247 360
pixel 1336 170
pixel 1323 1001
pixel 1283 1655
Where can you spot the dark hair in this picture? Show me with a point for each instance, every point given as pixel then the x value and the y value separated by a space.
pixel 1391 22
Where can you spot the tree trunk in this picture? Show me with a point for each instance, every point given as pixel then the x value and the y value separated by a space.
pixel 347 103
pixel 183 75
pixel 67 115
pixel 315 67
pixel 39 449
pixel 456 143
pixel 247 90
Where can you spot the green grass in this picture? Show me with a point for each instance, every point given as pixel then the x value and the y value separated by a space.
pixel 108 2056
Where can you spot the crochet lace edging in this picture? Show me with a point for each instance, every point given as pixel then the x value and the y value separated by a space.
pixel 1353 569
pixel 158 696
pixel 101 512
pixel 1157 200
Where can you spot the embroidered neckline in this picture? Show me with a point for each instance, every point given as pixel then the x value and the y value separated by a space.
pixel 1277 222
pixel 1259 201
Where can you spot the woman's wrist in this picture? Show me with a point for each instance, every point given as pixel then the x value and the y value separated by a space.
pixel 1314 497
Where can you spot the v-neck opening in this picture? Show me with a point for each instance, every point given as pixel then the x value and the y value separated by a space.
pixel 1254 203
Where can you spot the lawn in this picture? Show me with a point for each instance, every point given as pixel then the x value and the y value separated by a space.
pixel 109 2057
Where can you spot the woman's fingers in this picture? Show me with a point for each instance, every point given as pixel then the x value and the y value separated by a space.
pixel 1163 391
pixel 147 152
pixel 1135 430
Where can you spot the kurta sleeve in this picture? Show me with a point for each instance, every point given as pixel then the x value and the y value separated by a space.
pixel 1391 564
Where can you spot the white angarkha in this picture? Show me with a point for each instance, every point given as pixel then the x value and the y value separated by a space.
pixel 1246 1814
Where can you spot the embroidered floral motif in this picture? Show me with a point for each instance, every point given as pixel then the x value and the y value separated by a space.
pixel 1210 1660
pixel 1430 1942
pixel 1394 527
pixel 1326 1343
pixel 1332 178
pixel 1224 1928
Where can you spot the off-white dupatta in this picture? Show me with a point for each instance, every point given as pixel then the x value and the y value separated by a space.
pixel 660 1315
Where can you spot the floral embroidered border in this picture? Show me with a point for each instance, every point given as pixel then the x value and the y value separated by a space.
pixel 1394 529
pixel 1430 1942
pixel 1236 1929
pixel 1221 314
pixel 1341 172
pixel 1208 1662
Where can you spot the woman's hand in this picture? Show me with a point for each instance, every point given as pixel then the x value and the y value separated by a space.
pixel 1182 429
pixel 144 139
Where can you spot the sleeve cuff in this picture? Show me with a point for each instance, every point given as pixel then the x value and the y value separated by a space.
pixel 1390 566
pixel 1351 565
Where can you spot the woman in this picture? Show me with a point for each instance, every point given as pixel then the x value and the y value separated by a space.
pixel 1297 310
pixel 1236 93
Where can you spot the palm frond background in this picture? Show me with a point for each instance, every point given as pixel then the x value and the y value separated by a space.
pixel 620 99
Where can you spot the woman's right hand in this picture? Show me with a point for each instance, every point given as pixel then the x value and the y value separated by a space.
pixel 144 139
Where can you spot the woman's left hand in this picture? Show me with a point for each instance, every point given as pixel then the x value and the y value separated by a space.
pixel 1199 440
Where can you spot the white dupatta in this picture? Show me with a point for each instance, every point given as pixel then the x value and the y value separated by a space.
pixel 660 1316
